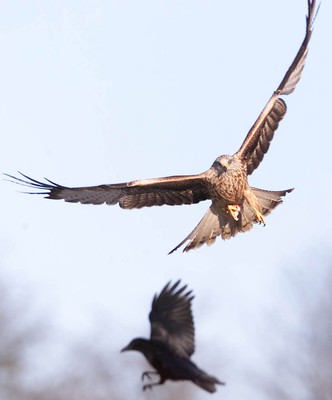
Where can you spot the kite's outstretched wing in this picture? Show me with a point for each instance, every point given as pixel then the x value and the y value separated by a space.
pixel 173 190
pixel 257 141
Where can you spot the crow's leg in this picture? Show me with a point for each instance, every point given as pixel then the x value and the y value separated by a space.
pixel 148 374
pixel 150 385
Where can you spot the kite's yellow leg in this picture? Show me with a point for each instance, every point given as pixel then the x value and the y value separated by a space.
pixel 234 210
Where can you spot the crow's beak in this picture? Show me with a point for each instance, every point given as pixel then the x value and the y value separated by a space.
pixel 125 348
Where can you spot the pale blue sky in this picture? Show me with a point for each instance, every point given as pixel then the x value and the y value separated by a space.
pixel 107 91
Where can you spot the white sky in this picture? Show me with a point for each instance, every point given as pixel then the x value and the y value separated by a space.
pixel 109 91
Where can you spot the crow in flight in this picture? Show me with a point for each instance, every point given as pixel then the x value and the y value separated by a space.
pixel 172 340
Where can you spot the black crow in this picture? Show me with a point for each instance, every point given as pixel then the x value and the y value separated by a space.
pixel 172 340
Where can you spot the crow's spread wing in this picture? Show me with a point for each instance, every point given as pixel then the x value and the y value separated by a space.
pixel 172 321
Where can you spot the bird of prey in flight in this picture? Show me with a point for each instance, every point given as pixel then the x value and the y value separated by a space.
pixel 235 205
pixel 172 340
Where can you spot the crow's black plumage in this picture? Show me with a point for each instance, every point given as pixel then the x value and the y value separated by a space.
pixel 172 340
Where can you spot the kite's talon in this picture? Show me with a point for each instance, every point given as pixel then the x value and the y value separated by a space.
pixel 260 218
pixel 234 210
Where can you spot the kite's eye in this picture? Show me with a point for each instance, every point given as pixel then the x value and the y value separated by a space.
pixel 219 167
